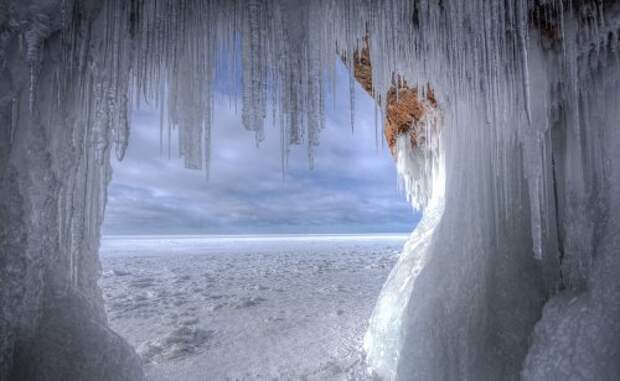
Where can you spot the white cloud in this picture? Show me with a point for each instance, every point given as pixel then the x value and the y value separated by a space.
pixel 352 188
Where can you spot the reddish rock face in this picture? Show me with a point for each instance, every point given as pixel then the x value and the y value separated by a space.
pixel 362 69
pixel 403 104
pixel 403 109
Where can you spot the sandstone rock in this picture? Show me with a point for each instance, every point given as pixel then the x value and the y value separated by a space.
pixel 404 107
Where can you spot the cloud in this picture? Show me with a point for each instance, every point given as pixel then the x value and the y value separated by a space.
pixel 351 189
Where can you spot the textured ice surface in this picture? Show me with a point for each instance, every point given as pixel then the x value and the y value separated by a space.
pixel 271 307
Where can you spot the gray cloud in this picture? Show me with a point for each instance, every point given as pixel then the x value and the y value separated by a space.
pixel 351 189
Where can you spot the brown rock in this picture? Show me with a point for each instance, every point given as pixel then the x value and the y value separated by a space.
pixel 403 105
pixel 362 68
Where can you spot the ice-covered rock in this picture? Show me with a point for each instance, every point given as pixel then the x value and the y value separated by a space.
pixel 70 343
pixel 54 170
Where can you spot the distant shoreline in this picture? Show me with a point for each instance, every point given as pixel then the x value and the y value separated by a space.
pixel 395 235
pixel 156 245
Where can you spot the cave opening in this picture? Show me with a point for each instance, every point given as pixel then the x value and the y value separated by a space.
pixel 252 272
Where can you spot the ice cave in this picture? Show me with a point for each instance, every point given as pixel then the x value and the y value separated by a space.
pixel 503 117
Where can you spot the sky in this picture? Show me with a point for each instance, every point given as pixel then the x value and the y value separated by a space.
pixel 351 190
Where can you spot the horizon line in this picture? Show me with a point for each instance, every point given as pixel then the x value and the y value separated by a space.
pixel 256 234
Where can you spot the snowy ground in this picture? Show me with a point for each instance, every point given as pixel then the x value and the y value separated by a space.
pixel 223 308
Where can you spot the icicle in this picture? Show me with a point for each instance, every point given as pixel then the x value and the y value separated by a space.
pixel 524 44
pixel 14 120
pixel 208 144
pixel 122 129
pixel 34 38
pixel 376 125
pixel 352 97
pixel 162 99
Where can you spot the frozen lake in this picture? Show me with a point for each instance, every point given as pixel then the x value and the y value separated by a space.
pixel 246 307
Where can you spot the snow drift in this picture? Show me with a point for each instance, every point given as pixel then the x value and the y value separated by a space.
pixel 513 271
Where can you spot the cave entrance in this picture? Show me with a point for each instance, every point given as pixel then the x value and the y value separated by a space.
pixel 251 274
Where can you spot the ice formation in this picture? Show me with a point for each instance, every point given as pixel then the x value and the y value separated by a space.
pixel 513 272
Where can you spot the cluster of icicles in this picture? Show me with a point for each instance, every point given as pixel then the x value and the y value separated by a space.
pixel 177 54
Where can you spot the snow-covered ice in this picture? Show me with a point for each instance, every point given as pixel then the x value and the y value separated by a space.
pixel 252 307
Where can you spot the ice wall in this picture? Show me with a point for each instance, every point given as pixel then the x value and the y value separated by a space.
pixel 579 332
pixel 59 118
pixel 516 279
pixel 514 262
